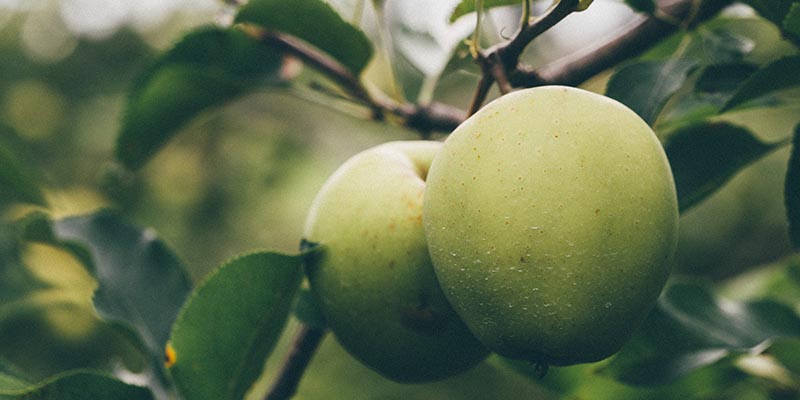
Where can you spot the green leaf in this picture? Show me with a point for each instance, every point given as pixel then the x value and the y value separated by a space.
pixel 468 6
pixel 231 323
pixel 141 283
pixel 18 182
pixel 315 22
pixel 772 10
pixel 645 6
pixel 75 385
pixel 209 67
pixel 690 328
pixel 781 74
pixel 792 190
pixel 704 156
pixel 714 85
pixel 723 78
pixel 646 86
pixel 791 24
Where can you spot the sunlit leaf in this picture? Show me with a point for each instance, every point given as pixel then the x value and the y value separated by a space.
pixel 646 86
pixel 75 385
pixel 231 323
pixel 646 6
pixel 315 22
pixel 690 328
pixel 704 156
pixel 468 6
pixel 792 190
pixel 781 74
pixel 209 67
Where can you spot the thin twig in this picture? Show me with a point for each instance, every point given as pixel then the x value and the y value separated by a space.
pixel 636 36
pixel 480 93
pixel 501 60
pixel 305 345
pixel 510 52
pixel 445 117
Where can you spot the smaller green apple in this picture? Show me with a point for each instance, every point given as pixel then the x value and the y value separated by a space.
pixel 374 280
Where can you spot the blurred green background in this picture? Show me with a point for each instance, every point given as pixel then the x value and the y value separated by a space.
pixel 241 177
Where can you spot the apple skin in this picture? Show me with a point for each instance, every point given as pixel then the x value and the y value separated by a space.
pixel 374 280
pixel 551 217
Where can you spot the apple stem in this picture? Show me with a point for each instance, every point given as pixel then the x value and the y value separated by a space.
pixel 305 345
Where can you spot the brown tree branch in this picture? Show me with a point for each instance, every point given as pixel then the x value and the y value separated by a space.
pixel 636 36
pixel 423 118
pixel 305 345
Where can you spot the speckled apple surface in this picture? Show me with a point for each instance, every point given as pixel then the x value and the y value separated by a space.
pixel 374 280
pixel 551 217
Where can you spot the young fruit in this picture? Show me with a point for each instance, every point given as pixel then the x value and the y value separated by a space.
pixel 551 218
pixel 374 280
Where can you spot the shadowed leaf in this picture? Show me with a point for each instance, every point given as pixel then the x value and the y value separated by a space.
pixel 781 74
pixel 690 328
pixel 74 385
pixel 647 85
pixel 704 156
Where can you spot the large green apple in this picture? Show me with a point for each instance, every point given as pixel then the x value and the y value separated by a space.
pixel 551 218
pixel 374 280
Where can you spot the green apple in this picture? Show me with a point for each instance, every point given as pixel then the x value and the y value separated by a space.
pixel 551 218
pixel 374 280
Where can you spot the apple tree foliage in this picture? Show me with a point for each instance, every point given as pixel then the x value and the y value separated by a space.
pixel 684 66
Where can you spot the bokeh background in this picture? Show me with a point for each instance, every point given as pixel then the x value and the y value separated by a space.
pixel 241 177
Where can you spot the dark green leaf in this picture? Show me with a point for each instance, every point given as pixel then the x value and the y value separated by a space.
pixel 704 156
pixel 18 183
pixel 315 22
pixel 781 74
pixel 230 324
pixel 645 6
pixel 141 283
pixel 468 6
pixel 723 78
pixel 792 190
pixel 791 24
pixel 713 87
pixel 690 329
pixel 773 10
pixel 76 385
pixel 645 86
pixel 207 68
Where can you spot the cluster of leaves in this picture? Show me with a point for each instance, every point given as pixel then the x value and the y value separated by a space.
pixel 218 334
